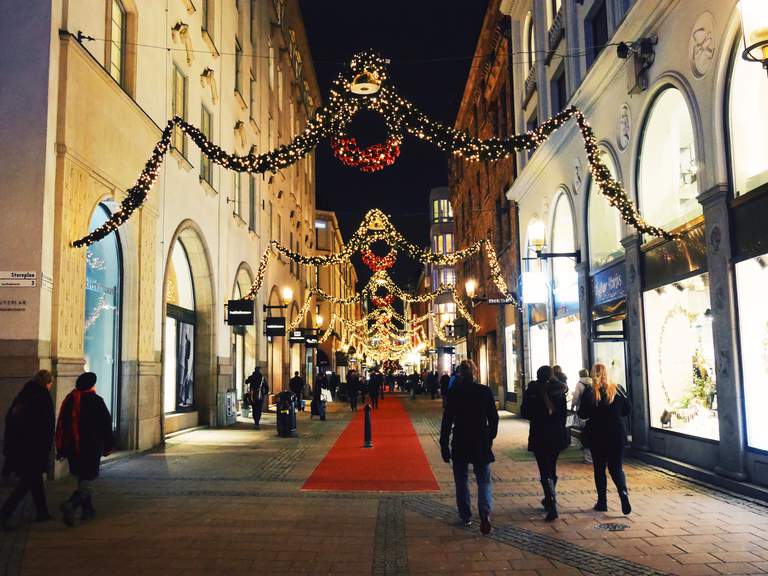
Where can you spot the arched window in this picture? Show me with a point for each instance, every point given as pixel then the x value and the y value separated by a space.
pixel 604 223
pixel 748 123
pixel 565 284
pixel 179 361
pixel 536 291
pixel 103 291
pixel 117 29
pixel 667 177
pixel 529 41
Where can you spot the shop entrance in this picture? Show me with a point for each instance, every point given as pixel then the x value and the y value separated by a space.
pixel 609 347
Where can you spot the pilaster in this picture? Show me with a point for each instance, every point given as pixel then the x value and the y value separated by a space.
pixel 585 315
pixel 723 302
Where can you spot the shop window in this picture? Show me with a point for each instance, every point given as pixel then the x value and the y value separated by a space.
pixel 566 291
pixel 529 41
pixel 604 223
pixel 751 280
pixel 179 341
pixel 103 293
pixel 238 67
pixel 117 30
pixel 178 139
pixel 680 358
pixel 748 122
pixel 538 346
pixel 667 178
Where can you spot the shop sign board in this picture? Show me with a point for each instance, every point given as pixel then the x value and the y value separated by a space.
pixel 275 326
pixel 341 359
pixel 310 341
pixel 297 337
pixel 240 313
pixel 609 285
pixel 15 279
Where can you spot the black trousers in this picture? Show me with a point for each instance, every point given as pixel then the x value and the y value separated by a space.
pixel 28 482
pixel 547 462
pixel 353 401
pixel 615 463
pixel 257 407
pixel 375 401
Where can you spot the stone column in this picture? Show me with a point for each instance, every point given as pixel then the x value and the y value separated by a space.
pixel 585 313
pixel 636 344
pixel 723 302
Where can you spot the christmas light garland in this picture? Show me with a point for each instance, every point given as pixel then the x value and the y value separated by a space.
pixel 400 115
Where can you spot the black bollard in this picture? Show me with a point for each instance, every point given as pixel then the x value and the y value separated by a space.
pixel 367 429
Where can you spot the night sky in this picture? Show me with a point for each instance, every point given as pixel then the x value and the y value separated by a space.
pixel 430 44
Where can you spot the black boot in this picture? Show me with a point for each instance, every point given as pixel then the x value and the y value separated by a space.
pixel 88 511
pixel 545 501
pixel 552 496
pixel 69 508
pixel 626 508
pixel 602 503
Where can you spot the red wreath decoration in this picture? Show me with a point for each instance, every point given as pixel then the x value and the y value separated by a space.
pixel 371 159
pixel 378 263
pixel 382 301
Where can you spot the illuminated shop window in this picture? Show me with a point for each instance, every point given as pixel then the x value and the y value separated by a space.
pixel 668 170
pixel 680 358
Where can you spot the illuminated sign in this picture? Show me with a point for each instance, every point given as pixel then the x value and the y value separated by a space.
pixel 240 313
pixel 275 326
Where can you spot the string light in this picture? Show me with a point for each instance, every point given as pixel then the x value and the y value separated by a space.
pixel 400 116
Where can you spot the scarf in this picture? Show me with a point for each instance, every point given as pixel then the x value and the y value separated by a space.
pixel 68 441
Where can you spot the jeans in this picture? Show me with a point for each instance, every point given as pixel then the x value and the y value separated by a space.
pixel 484 488
pixel 614 463
pixel 257 407
pixel 27 483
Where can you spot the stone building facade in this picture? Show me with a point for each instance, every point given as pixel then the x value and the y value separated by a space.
pixel 94 83
pixel 482 210
pixel 680 121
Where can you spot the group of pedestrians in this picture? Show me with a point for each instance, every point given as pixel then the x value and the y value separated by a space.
pixel 83 434
pixel 601 407
pixel 370 390
pixel 470 425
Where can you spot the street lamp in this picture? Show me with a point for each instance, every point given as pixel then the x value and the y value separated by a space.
pixel 319 320
pixel 537 240
pixel 287 295
pixel 754 27
pixel 470 287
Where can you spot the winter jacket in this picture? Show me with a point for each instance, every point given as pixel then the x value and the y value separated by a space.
pixel 548 432
pixel 605 424
pixel 470 423
pixel 29 427
pixel 257 388
pixel 95 431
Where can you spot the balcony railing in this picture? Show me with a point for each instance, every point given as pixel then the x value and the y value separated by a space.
pixel 556 33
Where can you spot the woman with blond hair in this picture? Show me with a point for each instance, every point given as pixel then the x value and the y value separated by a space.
pixel 605 407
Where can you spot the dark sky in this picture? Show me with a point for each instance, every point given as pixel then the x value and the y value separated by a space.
pixel 430 44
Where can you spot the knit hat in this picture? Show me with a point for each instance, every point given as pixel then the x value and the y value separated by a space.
pixel 85 381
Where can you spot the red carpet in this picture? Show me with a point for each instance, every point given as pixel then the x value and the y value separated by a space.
pixel 396 463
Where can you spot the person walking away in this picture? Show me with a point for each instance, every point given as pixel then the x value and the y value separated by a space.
pixel 605 407
pixel 414 383
pixel 470 424
pixel 333 385
pixel 544 405
pixel 353 389
pixel 29 426
pixel 560 376
pixel 444 380
pixel 584 382
pixel 296 385
pixel 432 385
pixel 318 404
pixel 83 436
pixel 374 388
pixel 258 389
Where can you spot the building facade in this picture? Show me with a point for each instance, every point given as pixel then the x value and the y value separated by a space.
pixel 680 122
pixel 144 308
pixel 482 210
pixel 339 281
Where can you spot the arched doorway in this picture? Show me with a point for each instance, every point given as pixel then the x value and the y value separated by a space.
pixel 243 340
pixel 189 389
pixel 103 299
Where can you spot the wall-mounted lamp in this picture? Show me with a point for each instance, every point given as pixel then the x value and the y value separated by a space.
pixel 754 27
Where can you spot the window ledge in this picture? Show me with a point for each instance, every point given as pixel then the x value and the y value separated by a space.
pixel 208 187
pixel 239 99
pixel 181 160
pixel 254 234
pixel 209 42
pixel 239 220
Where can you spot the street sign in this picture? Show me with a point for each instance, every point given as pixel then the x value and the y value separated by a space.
pixel 501 301
pixel 240 313
pixel 10 279
pixel 310 341
pixel 297 337
pixel 275 326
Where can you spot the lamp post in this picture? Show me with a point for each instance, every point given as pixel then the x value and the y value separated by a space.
pixel 470 289
pixel 754 27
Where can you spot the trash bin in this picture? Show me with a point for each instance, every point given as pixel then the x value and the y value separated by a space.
pixel 286 414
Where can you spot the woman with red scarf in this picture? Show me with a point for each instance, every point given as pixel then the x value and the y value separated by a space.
pixel 83 436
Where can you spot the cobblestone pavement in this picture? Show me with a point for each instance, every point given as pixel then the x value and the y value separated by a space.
pixel 229 502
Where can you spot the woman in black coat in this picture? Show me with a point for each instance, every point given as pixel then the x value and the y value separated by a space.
pixel 545 406
pixel 605 407
pixel 29 428
pixel 83 436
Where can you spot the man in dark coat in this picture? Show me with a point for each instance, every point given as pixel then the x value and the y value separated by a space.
pixel 444 380
pixel 29 427
pixel 318 404
pixel 258 388
pixel 83 436
pixel 374 388
pixel 296 385
pixel 470 424
pixel 333 384
pixel 353 389
pixel 432 384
